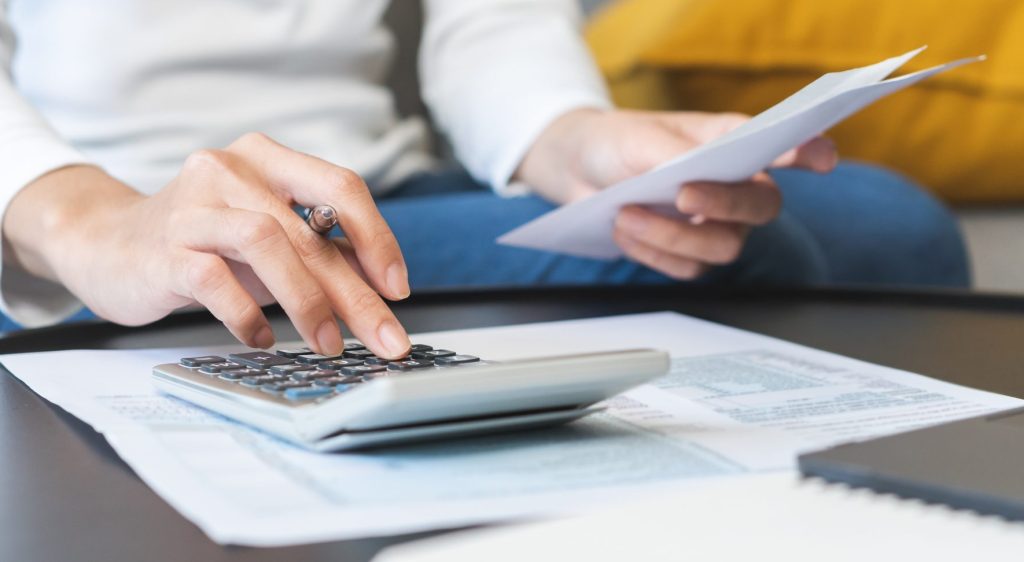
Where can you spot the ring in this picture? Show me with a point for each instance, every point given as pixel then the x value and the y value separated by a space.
pixel 321 218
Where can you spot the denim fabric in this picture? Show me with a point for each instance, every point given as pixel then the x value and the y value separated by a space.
pixel 858 225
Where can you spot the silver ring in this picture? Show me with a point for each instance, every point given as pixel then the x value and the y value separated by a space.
pixel 321 218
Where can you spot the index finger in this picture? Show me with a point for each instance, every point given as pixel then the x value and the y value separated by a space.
pixel 310 181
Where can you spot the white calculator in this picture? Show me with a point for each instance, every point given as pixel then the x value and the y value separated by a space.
pixel 357 400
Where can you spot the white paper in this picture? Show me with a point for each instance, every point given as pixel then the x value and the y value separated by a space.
pixel 735 404
pixel 770 517
pixel 584 228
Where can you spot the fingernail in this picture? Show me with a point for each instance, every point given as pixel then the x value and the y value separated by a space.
pixel 393 338
pixel 697 219
pixel 691 201
pixel 329 338
pixel 632 222
pixel 398 281
pixel 264 337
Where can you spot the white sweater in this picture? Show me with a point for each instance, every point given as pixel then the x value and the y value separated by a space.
pixel 136 85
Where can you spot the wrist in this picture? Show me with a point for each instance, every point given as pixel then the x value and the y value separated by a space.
pixel 47 223
pixel 553 165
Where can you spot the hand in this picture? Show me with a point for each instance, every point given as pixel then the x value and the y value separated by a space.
pixel 587 150
pixel 223 235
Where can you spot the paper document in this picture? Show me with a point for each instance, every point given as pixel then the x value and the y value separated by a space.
pixel 734 404
pixel 771 517
pixel 584 228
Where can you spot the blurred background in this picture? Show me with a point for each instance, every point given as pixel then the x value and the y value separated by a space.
pixel 959 134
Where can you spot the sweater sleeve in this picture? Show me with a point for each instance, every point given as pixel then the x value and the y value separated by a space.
pixel 496 73
pixel 29 148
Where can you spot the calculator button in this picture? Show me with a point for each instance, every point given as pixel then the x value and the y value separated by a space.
pixel 306 392
pixel 455 360
pixel 310 375
pixel 409 365
pixel 293 353
pixel 419 347
pixel 276 387
pixel 432 354
pixel 359 370
pixel 216 368
pixel 259 359
pixel 376 360
pixel 258 381
pixel 200 361
pixel 354 346
pixel 334 381
pixel 316 358
pixel 239 374
pixel 337 364
pixel 288 369
pixel 358 353
pixel 371 376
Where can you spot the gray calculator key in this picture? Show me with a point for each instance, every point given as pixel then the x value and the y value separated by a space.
pixel 306 392
pixel 288 369
pixel 200 361
pixel 354 346
pixel 335 381
pixel 432 354
pixel 455 360
pixel 313 374
pixel 258 381
pixel 293 353
pixel 259 359
pixel 239 374
pixel 276 387
pixel 338 364
pixel 316 358
pixel 374 360
pixel 359 370
pixel 358 354
pixel 419 347
pixel 216 368
pixel 410 365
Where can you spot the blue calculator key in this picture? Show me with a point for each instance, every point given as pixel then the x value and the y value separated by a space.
pixel 343 388
pixel 200 361
pixel 455 360
pixel 432 354
pixel 337 364
pixel 293 353
pixel 216 368
pixel 306 392
pixel 259 359
pixel 287 369
pixel 359 370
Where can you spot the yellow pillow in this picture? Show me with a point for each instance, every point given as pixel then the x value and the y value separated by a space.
pixel 960 133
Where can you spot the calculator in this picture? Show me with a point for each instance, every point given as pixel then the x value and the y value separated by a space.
pixel 358 400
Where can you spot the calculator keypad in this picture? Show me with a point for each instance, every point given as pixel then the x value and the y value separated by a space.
pixel 299 374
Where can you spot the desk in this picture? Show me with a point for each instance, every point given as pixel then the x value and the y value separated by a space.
pixel 65 495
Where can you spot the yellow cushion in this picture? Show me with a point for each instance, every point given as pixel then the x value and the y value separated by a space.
pixel 960 133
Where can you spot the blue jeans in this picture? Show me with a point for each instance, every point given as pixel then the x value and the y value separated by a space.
pixel 858 225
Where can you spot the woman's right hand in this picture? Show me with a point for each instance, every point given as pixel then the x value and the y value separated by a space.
pixel 223 234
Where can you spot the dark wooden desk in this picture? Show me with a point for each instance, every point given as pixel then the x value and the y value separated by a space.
pixel 65 495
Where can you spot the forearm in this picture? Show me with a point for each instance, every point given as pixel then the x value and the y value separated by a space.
pixel 45 219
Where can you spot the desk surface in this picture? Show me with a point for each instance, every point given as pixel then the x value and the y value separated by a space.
pixel 65 495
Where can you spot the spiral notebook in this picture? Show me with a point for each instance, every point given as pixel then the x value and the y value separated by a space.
pixel 772 517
